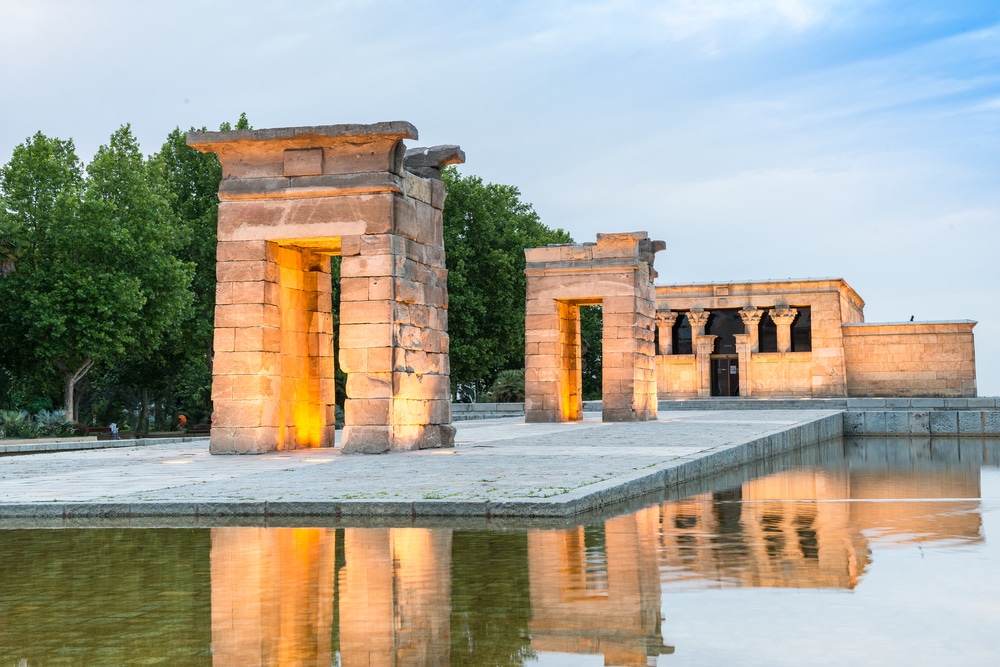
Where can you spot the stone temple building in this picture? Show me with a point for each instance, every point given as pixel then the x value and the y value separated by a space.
pixel 801 338
pixel 751 339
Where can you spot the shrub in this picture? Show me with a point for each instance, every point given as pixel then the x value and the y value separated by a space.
pixel 53 423
pixel 508 387
pixel 17 424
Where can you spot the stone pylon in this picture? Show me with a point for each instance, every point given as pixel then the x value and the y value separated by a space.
pixel 617 274
pixel 290 199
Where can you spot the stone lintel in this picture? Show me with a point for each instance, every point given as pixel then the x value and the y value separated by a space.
pixel 303 137
pixel 300 153
pixel 611 251
pixel 327 185
pixel 583 266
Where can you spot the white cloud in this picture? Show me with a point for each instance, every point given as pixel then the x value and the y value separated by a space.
pixel 685 19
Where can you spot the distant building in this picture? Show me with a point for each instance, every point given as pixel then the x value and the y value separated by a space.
pixel 804 338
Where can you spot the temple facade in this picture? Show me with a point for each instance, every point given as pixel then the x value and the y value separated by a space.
pixel 801 338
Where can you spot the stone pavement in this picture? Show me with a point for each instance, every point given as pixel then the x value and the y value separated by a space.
pixel 498 468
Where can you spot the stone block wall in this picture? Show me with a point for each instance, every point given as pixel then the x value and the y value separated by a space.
pixel 782 374
pixel 911 359
pixel 677 375
pixel 393 329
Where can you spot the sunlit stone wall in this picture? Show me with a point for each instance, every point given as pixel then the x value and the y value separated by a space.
pixel 911 359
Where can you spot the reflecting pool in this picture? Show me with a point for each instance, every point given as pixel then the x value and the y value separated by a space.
pixel 861 552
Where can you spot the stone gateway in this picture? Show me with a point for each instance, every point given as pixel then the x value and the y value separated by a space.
pixel 290 199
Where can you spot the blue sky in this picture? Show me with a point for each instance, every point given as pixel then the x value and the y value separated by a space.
pixel 759 138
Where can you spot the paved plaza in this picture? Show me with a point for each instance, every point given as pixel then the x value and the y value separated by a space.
pixel 499 467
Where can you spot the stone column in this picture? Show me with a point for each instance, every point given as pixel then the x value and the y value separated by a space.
pixel 553 369
pixel 665 327
pixel 703 346
pixel 783 318
pixel 628 384
pixel 697 318
pixel 247 361
pixel 743 350
pixel 751 319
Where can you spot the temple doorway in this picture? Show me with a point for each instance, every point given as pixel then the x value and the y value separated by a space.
pixel 725 375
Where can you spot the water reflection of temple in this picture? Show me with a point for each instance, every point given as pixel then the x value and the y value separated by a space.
pixel 596 590
pixel 810 527
pixel 296 596
pixel 415 596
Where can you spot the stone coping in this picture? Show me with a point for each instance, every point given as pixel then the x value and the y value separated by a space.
pixel 396 128
pixel 487 407
pixel 792 403
pixel 510 471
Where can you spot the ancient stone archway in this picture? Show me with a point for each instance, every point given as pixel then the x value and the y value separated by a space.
pixel 616 273
pixel 289 199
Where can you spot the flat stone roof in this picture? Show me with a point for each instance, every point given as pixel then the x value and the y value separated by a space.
pixel 394 128
pixel 499 468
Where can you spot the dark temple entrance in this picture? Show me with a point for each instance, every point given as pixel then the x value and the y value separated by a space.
pixel 725 375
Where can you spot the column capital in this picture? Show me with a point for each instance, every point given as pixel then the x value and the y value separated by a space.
pixel 697 318
pixel 666 318
pixel 751 316
pixel 782 316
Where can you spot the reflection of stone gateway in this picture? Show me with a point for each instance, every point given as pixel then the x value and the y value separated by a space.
pixel 289 199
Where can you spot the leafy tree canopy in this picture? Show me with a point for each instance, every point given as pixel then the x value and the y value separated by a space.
pixel 486 229
pixel 97 277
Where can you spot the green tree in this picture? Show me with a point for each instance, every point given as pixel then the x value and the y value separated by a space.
pixel 192 179
pixel 40 188
pixel 98 280
pixel 486 229
pixel 591 331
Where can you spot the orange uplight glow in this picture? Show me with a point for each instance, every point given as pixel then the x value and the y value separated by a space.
pixel 308 423
pixel 565 396
pixel 304 359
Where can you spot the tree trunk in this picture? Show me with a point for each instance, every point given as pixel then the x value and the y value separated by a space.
pixel 143 426
pixel 158 412
pixel 78 393
pixel 70 378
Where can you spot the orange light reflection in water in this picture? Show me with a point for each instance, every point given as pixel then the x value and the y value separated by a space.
pixel 593 589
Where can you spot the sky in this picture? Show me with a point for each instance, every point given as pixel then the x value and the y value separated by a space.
pixel 761 139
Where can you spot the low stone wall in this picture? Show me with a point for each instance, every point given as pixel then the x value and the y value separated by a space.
pixel 45 445
pixel 908 417
pixel 854 404
pixel 908 423
pixel 461 412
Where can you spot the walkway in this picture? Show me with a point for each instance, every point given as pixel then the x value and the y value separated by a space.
pixel 500 467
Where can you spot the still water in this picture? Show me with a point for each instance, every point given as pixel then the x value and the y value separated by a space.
pixel 861 552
